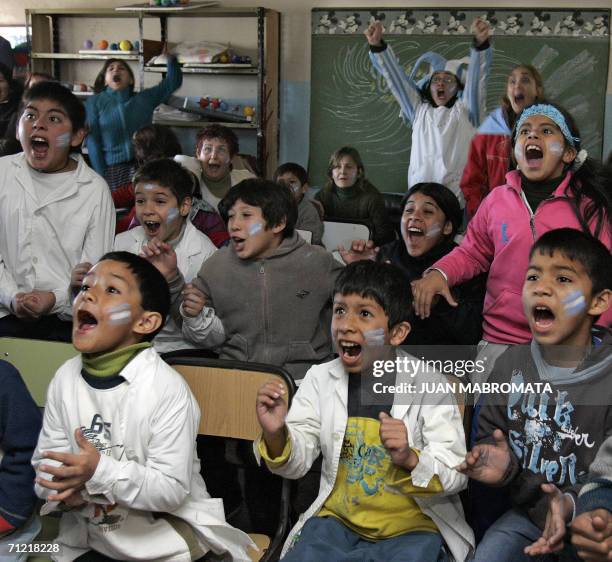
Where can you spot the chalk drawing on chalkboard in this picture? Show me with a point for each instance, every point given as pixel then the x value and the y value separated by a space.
pixel 569 74
pixel 545 56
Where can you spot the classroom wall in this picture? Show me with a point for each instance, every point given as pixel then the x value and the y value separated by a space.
pixel 295 51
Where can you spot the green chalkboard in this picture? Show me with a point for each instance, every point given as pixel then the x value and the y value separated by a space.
pixel 351 105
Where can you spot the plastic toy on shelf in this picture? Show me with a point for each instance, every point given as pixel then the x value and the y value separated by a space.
pixel 217 109
pixel 104 47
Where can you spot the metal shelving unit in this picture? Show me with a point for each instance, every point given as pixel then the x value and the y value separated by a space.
pixel 44 29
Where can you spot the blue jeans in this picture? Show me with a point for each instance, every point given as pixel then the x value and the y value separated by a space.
pixel 509 535
pixel 326 538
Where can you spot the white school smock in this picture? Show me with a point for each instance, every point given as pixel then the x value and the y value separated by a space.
pixel 159 470
pixel 192 251
pixel 42 241
pixel 317 422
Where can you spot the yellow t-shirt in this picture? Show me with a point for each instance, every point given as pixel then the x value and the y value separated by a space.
pixel 371 496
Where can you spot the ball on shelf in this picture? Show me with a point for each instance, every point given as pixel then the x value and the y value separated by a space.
pixel 102 45
pixel 223 106
pixel 204 102
pixel 87 44
pixel 125 45
pixel 114 47
pixel 248 111
pixel 223 59
pixel 136 45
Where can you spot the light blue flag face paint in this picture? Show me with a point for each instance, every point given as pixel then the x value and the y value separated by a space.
pixel 556 148
pixel 63 140
pixel 120 314
pixel 434 231
pixel 149 187
pixel 255 228
pixel 375 338
pixel 518 152
pixel 574 303
pixel 173 214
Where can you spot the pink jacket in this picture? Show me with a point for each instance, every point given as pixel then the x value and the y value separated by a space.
pixel 498 240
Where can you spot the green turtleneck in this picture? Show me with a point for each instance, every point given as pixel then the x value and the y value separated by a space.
pixel 218 188
pixel 110 364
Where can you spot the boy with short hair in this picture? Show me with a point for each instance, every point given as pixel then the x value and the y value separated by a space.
pixel 55 212
pixel 266 297
pixel 216 146
pixel 388 488
pixel 542 443
pixel 117 447
pixel 163 202
pixel 296 179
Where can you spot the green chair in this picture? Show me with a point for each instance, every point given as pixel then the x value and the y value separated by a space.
pixel 37 361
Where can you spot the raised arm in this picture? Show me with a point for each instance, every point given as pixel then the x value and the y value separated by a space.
pixel 403 88
pixel 475 91
pixel 94 136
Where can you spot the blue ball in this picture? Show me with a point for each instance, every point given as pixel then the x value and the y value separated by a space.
pixel 114 47
pixel 136 45
pixel 223 106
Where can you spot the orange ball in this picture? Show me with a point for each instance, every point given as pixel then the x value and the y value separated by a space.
pixel 102 45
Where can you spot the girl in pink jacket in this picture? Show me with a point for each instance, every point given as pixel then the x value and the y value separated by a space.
pixel 555 185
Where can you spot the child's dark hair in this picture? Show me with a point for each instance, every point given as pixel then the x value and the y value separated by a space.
pixel 54 91
pixel 582 248
pixel 37 77
pixel 382 282
pixel 334 161
pixel 291 168
pixel 154 291
pixel 216 131
pixel 276 202
pixel 167 173
pixel 15 89
pixel 426 90
pixel 589 186
pixel 9 145
pixel 155 141
pixel 444 198
pixel 507 110
pixel 100 82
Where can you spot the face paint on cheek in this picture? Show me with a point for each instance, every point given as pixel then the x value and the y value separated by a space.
pixel 255 228
pixel 375 338
pixel 452 90
pixel 574 303
pixel 173 214
pixel 434 231
pixel 556 148
pixel 518 152
pixel 120 314
pixel 63 140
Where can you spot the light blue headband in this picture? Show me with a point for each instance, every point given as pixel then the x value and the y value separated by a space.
pixel 553 114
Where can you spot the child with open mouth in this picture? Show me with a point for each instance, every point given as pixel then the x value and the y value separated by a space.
pixel 163 195
pixel 555 185
pixel 429 223
pixel 117 451
pixel 540 444
pixel 116 112
pixel 55 212
pixel 442 109
pixel 490 150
